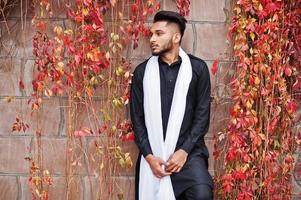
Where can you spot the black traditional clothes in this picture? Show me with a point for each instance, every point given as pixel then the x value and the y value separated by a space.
pixel 194 126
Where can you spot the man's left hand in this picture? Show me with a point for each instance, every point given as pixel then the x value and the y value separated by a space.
pixel 176 161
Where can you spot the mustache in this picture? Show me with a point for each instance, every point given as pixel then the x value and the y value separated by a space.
pixel 154 45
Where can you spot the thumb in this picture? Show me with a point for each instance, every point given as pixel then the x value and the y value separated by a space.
pixel 161 162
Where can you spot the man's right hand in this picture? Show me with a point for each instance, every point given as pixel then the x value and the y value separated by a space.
pixel 155 164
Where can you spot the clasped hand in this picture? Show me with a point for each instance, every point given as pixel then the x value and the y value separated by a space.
pixel 174 164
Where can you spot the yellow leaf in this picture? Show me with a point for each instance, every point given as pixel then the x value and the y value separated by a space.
pixel 260 7
pixel 128 162
pixel 114 49
pixel 108 55
pixel 85 11
pixel 257 80
pixel 68 32
pixel 89 55
pixel 120 15
pixel 60 67
pixel 119 71
pixel 48 92
pixel 101 166
pixel 252 36
pixel 46 172
pixel 248 104
pixel 237 9
pixel 127 74
pixel 37 192
pixel 58 30
pixel 127 154
pixel 119 45
pixel 9 99
pixel 115 37
pixel 251 51
pixel 114 129
pixel 93 80
pixel 254 112
pixel 262 136
pixel 122 163
pixel 120 196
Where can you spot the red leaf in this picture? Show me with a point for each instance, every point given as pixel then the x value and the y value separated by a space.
pixel 214 66
pixel 78 18
pixel 292 106
pixel 21 85
pixel 41 26
pixel 128 137
pixel 77 59
pixel 102 129
pixel 83 132
pixel 158 6
pixel 87 2
pixel 272 7
pixel 272 125
pixel 297 85
pixel 135 8
pixel 288 71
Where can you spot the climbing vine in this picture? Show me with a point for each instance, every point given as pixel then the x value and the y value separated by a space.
pixel 85 63
pixel 258 145
pixel 183 7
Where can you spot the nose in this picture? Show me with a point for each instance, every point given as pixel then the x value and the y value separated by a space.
pixel 152 38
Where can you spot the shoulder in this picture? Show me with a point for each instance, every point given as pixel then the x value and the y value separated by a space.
pixel 198 65
pixel 140 68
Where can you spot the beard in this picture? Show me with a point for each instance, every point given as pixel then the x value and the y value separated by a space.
pixel 165 48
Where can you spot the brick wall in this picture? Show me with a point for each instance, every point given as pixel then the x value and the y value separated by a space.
pixel 205 37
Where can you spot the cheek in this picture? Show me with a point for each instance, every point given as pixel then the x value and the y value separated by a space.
pixel 164 39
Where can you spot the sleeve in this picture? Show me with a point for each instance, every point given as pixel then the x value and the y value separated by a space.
pixel 137 115
pixel 201 117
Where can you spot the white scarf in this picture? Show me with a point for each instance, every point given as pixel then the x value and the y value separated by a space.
pixel 151 187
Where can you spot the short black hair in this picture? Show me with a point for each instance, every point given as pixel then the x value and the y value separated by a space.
pixel 171 16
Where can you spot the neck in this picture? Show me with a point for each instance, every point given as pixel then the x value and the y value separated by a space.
pixel 171 56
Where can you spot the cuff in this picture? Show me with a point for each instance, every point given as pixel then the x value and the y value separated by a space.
pixel 187 146
pixel 146 149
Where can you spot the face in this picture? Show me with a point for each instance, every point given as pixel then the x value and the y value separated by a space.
pixel 164 37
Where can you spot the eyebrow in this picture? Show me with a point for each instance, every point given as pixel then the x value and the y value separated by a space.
pixel 157 31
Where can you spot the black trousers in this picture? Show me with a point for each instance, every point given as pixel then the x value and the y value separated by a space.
pixel 197 192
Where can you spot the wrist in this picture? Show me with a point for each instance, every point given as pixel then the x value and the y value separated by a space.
pixel 184 152
pixel 149 157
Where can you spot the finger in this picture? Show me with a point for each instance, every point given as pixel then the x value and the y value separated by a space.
pixel 169 160
pixel 179 169
pixel 175 169
pixel 162 162
pixel 164 173
pixel 157 175
pixel 171 166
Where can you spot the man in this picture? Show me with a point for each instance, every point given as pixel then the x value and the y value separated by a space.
pixel 170 112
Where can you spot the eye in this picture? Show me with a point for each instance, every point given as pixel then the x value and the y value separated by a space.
pixel 159 33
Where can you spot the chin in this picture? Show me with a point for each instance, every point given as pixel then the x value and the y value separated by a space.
pixel 156 53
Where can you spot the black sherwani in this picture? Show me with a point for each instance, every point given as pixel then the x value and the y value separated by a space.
pixel 194 126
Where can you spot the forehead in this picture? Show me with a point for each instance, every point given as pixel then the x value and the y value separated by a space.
pixel 160 25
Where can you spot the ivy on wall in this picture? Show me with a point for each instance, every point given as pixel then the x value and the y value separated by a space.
pixel 86 64
pixel 257 148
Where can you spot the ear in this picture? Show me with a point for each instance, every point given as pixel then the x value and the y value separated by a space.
pixel 176 37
